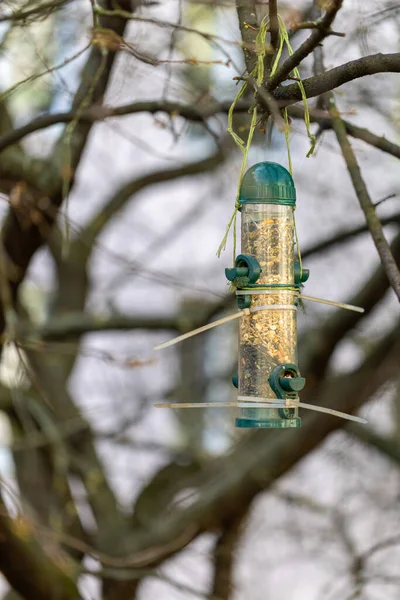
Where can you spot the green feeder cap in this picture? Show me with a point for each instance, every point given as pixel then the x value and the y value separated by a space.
pixel 267 183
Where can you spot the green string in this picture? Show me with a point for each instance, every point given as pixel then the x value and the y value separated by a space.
pixel 258 73
pixel 278 54
pixel 311 136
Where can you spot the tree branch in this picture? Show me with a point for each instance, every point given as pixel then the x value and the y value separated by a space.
pixel 72 325
pixel 273 24
pixel 306 47
pixel 224 558
pixel 386 445
pixel 100 113
pixel 254 465
pixel 367 206
pixel 191 113
pixel 31 571
pixel 324 119
pixel 121 197
pixel 247 15
pixel 22 239
pixel 323 339
pixel 344 236
pixel 354 69
pixel 42 10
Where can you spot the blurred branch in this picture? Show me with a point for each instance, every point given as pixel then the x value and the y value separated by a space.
pixel 386 445
pixel 384 199
pixel 40 11
pixel 119 200
pixel 189 112
pixel 49 69
pixel 389 542
pixel 22 239
pixel 367 206
pixel 325 120
pixel 254 465
pixel 34 573
pixel 93 83
pixel 15 165
pixel 75 324
pixel 72 324
pixel 313 25
pixel 41 474
pixel 82 452
pixel 82 458
pixel 319 343
pixel 354 69
pixel 224 558
pixel 274 37
pixel 135 574
pixel 343 236
pixel 306 48
pixel 5 398
pixel 99 113
pixel 128 16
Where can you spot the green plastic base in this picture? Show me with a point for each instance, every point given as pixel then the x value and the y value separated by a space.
pixel 268 423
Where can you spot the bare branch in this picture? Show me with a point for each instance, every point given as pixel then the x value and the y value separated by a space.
pixel 22 240
pixel 191 113
pixel 40 11
pixel 246 11
pixel 224 558
pixel 323 339
pixel 99 113
pixel 314 25
pixel 121 197
pixel 367 206
pixel 344 236
pixel 386 445
pixel 314 86
pixel 306 47
pixel 254 465
pixel 31 571
pixel 273 24
pixel 72 325
pixel 325 120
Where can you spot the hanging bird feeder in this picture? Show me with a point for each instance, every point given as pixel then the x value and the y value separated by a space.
pixel 267 281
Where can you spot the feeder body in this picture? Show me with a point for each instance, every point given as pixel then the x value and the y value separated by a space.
pixel 267 338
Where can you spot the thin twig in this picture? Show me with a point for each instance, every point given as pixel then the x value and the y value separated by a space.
pixel 307 47
pixel 366 204
pixel 354 69
pixel 314 25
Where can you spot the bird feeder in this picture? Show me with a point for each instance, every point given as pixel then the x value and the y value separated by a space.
pixel 267 280
pixel 267 277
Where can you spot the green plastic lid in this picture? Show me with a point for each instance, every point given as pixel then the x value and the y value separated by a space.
pixel 268 183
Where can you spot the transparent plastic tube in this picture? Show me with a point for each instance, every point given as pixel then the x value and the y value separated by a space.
pixel 267 338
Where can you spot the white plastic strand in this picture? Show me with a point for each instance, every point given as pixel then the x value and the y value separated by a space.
pixel 322 409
